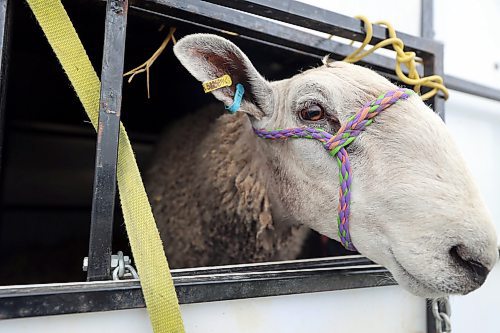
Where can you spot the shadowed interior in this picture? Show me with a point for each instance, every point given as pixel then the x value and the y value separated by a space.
pixel 49 145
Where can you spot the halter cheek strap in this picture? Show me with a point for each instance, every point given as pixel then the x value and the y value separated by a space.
pixel 335 145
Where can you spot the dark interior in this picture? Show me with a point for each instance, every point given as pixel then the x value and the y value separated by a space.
pixel 49 145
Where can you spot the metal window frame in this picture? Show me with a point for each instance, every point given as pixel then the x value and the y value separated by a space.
pixel 239 16
pixel 250 18
pixel 108 130
pixel 206 284
pixel 196 285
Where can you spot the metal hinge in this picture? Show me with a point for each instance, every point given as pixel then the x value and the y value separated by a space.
pixel 121 266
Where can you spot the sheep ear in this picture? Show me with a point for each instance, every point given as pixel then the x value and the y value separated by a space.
pixel 208 57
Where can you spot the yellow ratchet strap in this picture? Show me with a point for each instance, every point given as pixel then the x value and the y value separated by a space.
pixel 156 281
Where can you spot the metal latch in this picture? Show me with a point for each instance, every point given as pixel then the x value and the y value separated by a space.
pixel 120 265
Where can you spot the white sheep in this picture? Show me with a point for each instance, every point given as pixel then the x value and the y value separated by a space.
pixel 222 195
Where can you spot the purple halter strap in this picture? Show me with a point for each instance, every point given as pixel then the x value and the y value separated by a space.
pixel 335 145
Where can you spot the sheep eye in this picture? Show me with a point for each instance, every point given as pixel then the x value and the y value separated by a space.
pixel 313 112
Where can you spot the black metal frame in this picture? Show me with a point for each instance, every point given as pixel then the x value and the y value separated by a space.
pixel 251 27
pixel 204 284
pixel 103 202
pixel 5 26
pixel 228 282
pixel 239 16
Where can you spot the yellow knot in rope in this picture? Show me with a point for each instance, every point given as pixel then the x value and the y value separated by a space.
pixel 408 59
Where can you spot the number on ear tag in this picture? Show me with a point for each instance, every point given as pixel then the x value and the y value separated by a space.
pixel 220 82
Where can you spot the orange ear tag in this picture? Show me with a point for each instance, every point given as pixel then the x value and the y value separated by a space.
pixel 220 82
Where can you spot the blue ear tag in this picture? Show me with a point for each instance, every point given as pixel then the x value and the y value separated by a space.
pixel 238 96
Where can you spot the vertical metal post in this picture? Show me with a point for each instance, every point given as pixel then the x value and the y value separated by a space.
pixel 103 202
pixel 438 69
pixel 5 27
pixel 427 19
pixel 434 64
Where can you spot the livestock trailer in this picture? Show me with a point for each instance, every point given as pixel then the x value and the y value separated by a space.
pixel 50 201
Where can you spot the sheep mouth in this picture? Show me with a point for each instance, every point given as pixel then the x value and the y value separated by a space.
pixel 416 285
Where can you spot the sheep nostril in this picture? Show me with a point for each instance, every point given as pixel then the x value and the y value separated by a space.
pixel 476 269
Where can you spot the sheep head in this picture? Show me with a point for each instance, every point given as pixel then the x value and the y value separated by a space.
pixel 414 205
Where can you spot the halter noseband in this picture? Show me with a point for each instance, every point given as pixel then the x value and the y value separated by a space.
pixel 335 145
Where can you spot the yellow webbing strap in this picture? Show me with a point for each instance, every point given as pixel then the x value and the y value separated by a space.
pixel 156 281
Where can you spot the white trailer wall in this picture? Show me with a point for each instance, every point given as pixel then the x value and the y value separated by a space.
pixel 472 52
pixel 374 310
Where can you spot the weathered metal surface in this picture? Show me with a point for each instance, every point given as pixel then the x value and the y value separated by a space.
pixel 197 285
pixel 427 19
pixel 103 203
pixel 311 17
pixel 468 87
pixel 256 28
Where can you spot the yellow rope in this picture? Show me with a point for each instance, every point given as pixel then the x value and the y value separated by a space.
pixel 145 66
pixel 408 59
pixel 435 82
pixel 156 281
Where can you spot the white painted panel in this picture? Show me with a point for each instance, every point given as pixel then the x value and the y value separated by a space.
pixel 478 311
pixel 374 310
pixel 404 15
pixel 124 321
pixel 475 125
pixel 469 31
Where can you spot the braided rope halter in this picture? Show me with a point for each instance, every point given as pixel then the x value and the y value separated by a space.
pixel 335 145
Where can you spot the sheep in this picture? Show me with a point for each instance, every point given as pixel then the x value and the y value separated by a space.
pixel 223 195
pixel 212 206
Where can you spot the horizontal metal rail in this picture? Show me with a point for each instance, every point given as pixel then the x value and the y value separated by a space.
pixel 240 17
pixel 472 88
pixel 319 19
pixel 257 28
pixel 196 285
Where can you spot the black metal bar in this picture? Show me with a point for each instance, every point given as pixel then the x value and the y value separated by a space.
pixel 311 17
pixel 220 18
pixel 197 285
pixel 430 320
pixel 331 263
pixel 427 19
pixel 103 201
pixel 468 87
pixel 5 27
pixel 208 15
